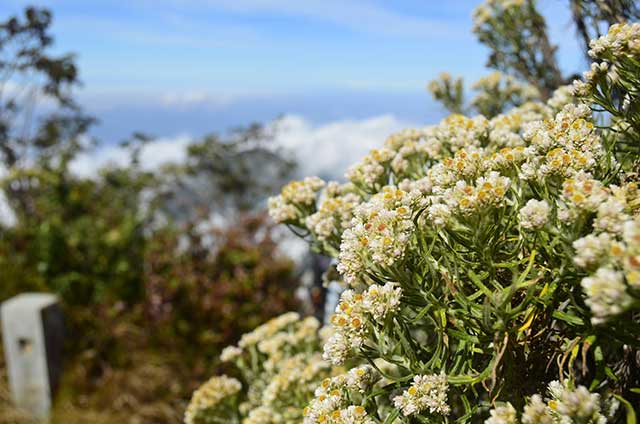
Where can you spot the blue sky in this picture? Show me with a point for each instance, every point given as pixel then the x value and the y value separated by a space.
pixel 171 67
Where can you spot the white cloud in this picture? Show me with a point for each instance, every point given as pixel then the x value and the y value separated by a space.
pixel 155 154
pixel 329 149
pixel 23 92
pixel 196 98
pixel 325 149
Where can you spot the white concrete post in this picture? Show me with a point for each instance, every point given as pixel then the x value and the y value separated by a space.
pixel 32 333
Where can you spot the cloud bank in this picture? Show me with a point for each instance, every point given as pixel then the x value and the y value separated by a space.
pixel 158 152
pixel 325 149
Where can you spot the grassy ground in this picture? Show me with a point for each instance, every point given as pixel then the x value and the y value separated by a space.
pixel 149 385
pixel 149 392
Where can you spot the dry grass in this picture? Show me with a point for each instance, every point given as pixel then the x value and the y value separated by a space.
pixel 150 387
pixel 148 392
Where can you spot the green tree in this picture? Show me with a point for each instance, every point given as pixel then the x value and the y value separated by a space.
pixel 226 174
pixel 516 35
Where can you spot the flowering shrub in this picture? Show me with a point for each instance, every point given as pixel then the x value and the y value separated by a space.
pixel 515 34
pixel 492 265
pixel 448 91
pixel 497 91
pixel 613 80
pixel 279 367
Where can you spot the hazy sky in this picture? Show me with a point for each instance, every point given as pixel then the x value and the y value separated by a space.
pixel 170 67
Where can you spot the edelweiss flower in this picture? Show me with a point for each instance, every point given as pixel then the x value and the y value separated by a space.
pixel 505 414
pixel 210 394
pixel 534 215
pixel 606 294
pixel 427 393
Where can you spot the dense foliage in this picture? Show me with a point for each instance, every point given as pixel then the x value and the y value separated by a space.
pixel 279 364
pixel 491 266
pixel 493 262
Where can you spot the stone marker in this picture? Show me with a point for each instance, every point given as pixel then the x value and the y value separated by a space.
pixel 32 333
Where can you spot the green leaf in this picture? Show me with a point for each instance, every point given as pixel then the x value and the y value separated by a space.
pixel 631 414
pixel 392 416
pixel 475 279
pixel 568 318
pixel 461 335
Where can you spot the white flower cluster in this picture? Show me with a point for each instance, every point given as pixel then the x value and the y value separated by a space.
pixel 261 415
pixel 426 393
pixel 230 353
pixel 595 250
pixel 412 150
pixel 620 39
pixel 379 233
pixel 582 194
pixel 487 191
pixel 268 329
pixel 504 414
pixel 300 371
pixel 218 389
pixel 563 146
pixel 618 48
pixel 465 164
pixel 324 413
pixel 561 97
pixel 458 131
pixel 295 199
pixel 334 212
pixel 611 213
pixel 506 128
pixel 564 405
pixel 534 215
pixel 357 379
pixel 282 365
pixel 302 332
pixel 606 294
pixel 331 402
pixel 372 169
pixel 578 404
pixel 616 259
pixel 353 316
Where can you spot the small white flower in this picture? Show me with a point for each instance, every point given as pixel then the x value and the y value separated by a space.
pixel 230 353
pixel 537 412
pixel 592 250
pixel 426 393
pixel 210 394
pixel 606 294
pixel 505 414
pixel 534 215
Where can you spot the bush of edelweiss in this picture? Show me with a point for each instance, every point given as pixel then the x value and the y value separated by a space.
pixel 492 272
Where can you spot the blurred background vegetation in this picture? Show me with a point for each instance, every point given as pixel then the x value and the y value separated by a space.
pixel 156 270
